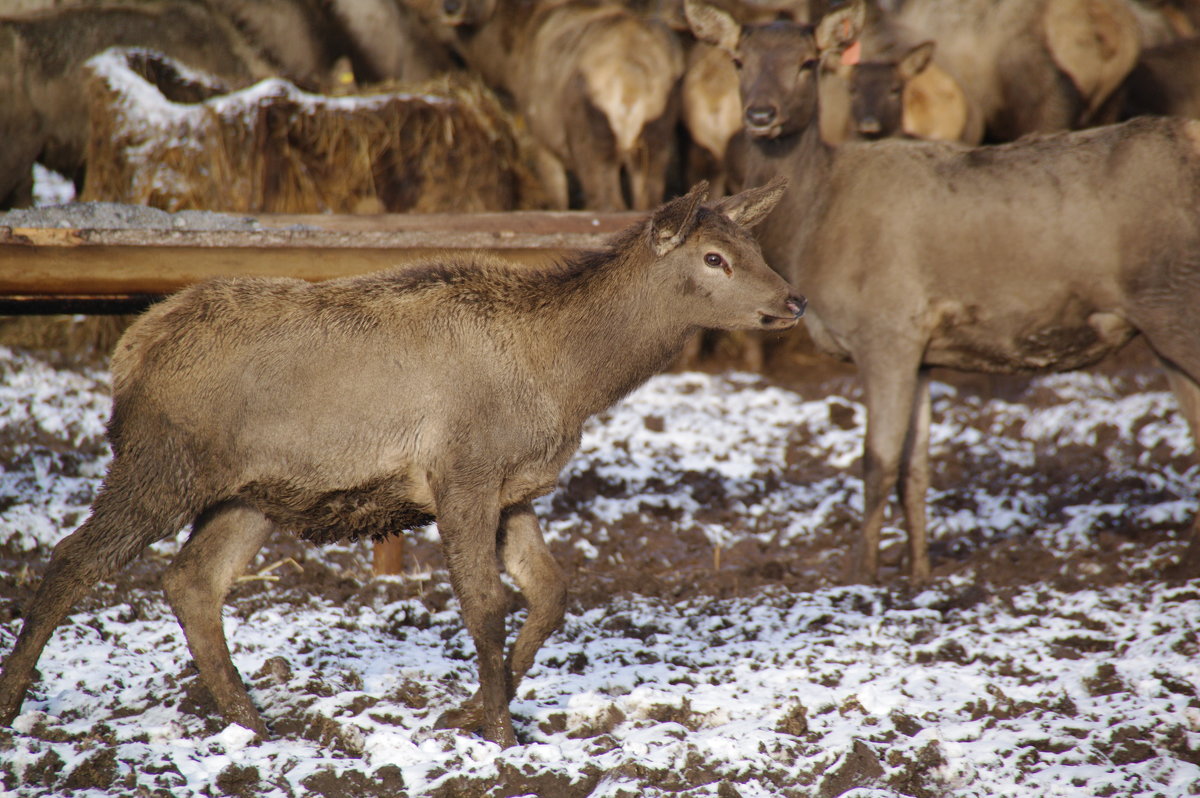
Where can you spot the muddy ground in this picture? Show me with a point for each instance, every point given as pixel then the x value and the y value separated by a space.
pixel 662 556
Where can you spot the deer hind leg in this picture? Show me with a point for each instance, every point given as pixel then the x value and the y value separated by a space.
pixel 891 383
pixel 129 513
pixel 1187 392
pixel 1170 331
pixel 648 163
pixel 225 539
pixel 596 162
pixel 553 176
pixel 913 487
pixel 528 560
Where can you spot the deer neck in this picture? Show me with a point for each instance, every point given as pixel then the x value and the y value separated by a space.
pixel 611 328
pixel 807 161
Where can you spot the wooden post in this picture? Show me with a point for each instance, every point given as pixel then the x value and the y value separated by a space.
pixel 388 556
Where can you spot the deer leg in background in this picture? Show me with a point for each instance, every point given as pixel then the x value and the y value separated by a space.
pixel 225 540
pixel 528 560
pixel 1187 392
pixel 593 159
pixel 913 485
pixel 553 177
pixel 650 159
pixel 890 381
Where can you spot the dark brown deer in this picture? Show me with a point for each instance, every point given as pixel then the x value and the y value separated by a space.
pixel 1041 255
pixel 870 93
pixel 370 405
pixel 1166 81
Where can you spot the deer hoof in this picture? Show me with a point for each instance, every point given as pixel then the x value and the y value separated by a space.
pixel 469 718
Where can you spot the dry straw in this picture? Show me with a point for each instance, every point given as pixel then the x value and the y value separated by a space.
pixel 165 136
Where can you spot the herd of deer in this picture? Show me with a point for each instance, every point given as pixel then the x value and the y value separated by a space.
pixel 1042 254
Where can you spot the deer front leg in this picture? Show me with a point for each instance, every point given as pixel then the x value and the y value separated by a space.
pixel 1187 392
pixel 528 560
pixel 891 385
pixel 468 523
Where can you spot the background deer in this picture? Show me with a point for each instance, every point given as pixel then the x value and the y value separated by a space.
pixel 1042 255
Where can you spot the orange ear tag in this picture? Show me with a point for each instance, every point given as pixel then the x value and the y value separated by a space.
pixel 852 54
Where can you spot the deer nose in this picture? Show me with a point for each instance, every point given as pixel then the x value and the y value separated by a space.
pixel 760 116
pixel 796 304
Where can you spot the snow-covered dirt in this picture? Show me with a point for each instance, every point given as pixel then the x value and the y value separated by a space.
pixel 708 650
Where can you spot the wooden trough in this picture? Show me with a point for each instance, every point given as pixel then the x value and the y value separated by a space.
pixel 74 269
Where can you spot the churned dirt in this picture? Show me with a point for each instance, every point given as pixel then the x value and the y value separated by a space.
pixel 652 555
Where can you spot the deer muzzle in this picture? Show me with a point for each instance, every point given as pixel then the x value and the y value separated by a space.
pixel 794 309
pixel 762 120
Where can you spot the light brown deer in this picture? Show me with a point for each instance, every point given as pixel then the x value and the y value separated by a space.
pixel 370 405
pixel 1030 66
pixel 1042 255
pixel 597 83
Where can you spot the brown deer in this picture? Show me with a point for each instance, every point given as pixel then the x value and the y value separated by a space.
pixel 597 83
pixel 370 405
pixel 1042 255
pixel 711 111
pixel 1029 66
pixel 1166 81
pixel 866 99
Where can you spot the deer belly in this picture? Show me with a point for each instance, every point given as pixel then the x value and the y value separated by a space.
pixel 1052 346
pixel 375 509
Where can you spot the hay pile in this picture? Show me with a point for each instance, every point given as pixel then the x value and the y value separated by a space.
pixel 166 136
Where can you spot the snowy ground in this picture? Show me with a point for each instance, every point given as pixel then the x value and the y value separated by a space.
pixel 1051 657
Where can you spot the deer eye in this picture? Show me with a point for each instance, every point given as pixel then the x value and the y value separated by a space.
pixel 809 63
pixel 737 62
pixel 715 260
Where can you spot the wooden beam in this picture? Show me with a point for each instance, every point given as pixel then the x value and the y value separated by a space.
pixel 89 264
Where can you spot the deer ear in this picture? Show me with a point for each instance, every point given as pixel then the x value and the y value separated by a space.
pixel 752 206
pixel 673 221
pixel 915 61
pixel 838 29
pixel 713 25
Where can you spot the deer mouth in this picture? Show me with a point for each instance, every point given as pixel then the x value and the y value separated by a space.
pixel 764 131
pixel 777 322
pixel 795 307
